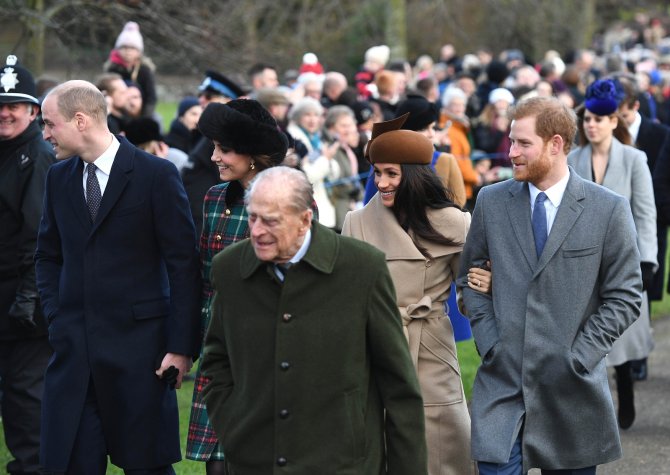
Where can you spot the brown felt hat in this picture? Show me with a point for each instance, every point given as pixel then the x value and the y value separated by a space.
pixel 390 144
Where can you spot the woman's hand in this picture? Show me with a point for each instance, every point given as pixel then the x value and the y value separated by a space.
pixel 480 279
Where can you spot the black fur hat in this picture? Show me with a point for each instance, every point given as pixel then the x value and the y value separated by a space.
pixel 142 130
pixel 244 126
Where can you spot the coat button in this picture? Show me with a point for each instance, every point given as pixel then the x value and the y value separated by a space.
pixel 281 461
pixel 285 365
pixel 217 237
pixel 283 413
pixel 227 212
pixel 287 317
pixel 428 264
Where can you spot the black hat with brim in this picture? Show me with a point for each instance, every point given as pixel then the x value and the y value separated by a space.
pixel 217 83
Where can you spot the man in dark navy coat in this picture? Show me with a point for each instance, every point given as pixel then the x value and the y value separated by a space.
pixel 652 138
pixel 117 273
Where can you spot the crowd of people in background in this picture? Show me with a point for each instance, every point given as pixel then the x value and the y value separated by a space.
pixel 471 90
pixel 458 102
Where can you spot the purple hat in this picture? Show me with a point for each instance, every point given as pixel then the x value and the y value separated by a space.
pixel 603 96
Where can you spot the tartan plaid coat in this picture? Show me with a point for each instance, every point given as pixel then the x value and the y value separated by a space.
pixel 224 222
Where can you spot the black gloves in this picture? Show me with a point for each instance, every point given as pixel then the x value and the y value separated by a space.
pixel 647 269
pixel 22 311
pixel 170 376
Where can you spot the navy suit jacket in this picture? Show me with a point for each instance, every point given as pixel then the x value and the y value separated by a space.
pixel 118 293
pixel 654 140
pixel 650 139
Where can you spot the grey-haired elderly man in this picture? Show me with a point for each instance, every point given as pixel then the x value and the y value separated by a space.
pixel 310 370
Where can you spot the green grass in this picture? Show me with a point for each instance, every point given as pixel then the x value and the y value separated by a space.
pixel 662 307
pixel 467 357
pixel 166 111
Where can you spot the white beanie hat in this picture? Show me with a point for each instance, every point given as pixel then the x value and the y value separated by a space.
pixel 130 36
pixel 378 54
pixel 451 93
pixel 501 94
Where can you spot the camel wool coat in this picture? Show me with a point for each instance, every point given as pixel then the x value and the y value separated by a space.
pixel 422 286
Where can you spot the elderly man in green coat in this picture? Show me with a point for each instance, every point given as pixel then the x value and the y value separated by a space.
pixel 310 371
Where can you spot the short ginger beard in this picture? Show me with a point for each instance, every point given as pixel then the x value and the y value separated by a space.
pixel 537 170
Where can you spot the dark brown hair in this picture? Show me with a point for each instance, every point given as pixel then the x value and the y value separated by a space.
pixel 420 188
pixel 620 132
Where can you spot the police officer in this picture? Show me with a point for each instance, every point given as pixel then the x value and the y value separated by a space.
pixel 24 349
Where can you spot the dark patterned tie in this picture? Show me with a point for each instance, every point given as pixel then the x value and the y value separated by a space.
pixel 283 269
pixel 540 223
pixel 93 195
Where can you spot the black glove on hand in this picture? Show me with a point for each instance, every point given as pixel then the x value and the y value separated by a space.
pixel 647 269
pixel 22 310
pixel 170 376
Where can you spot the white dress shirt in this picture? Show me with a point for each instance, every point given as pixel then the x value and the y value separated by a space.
pixel 554 197
pixel 104 163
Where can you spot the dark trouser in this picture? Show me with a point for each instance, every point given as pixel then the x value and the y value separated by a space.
pixel 657 289
pixel 89 454
pixel 22 366
pixel 514 465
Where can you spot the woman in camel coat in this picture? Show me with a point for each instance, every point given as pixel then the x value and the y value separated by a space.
pixel 422 251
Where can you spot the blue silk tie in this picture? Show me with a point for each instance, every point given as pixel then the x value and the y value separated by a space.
pixel 540 223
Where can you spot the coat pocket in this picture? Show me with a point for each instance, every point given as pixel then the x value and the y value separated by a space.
pixel 587 251
pixel 126 210
pixel 356 427
pixel 151 309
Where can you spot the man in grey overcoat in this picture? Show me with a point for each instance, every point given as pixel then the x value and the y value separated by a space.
pixel 310 370
pixel 566 283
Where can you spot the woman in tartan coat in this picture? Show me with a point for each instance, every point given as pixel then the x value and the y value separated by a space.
pixel 246 140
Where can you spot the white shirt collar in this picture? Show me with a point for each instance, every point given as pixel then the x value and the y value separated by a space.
pixel 303 249
pixel 554 193
pixel 634 128
pixel 105 161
